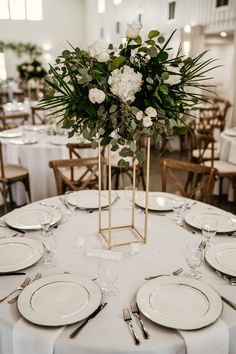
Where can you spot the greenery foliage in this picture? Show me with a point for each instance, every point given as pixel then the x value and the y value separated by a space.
pixel 21 48
pixel 169 89
pixel 31 70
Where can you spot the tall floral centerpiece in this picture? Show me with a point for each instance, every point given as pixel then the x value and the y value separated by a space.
pixel 118 95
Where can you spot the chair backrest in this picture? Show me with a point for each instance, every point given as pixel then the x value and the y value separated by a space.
pixel 12 120
pixel 75 152
pixel 87 179
pixel 202 181
pixel 202 143
pixel 1 163
pixel 38 115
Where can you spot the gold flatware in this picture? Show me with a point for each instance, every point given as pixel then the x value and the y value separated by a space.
pixel 135 311
pixel 176 272
pixel 21 287
pixel 37 276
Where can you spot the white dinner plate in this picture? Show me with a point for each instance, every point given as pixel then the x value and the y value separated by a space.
pixel 156 201
pixel 226 222
pixel 59 300
pixel 18 253
pixel 9 134
pixel 179 302
pixel 230 132
pixel 23 141
pixel 222 257
pixel 88 199
pixel 27 218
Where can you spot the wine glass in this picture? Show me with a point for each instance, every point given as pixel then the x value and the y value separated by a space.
pixel 209 229
pixel 194 257
pixel 71 200
pixel 129 194
pixel 45 219
pixel 178 208
pixel 49 245
pixel 107 275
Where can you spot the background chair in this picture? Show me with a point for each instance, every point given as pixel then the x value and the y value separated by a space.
pixel 10 174
pixel 9 121
pixel 87 179
pixel 202 182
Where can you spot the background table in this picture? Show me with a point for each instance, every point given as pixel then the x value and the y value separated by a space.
pixel 164 252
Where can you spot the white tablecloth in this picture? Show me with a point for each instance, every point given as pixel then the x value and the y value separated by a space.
pixel 35 158
pixel 108 333
pixel 227 153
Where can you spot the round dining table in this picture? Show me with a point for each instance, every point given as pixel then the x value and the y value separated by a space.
pixel 163 253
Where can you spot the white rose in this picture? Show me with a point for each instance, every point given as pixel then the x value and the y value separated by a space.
pixel 151 112
pixel 125 83
pixel 96 95
pixel 147 121
pixel 99 51
pixel 133 30
pixel 139 115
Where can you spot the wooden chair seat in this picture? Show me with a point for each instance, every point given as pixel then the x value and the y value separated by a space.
pixel 12 172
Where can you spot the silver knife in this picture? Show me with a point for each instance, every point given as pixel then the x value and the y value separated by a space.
pixel 89 318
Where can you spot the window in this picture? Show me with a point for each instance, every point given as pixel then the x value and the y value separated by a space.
pixel 171 15
pixel 3 73
pixel 21 10
pixel 220 3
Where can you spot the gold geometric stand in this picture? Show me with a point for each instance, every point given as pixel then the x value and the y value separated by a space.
pixel 122 235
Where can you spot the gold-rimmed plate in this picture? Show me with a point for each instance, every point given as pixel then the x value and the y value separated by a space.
pixel 17 253
pixel 222 258
pixel 179 302
pixel 59 300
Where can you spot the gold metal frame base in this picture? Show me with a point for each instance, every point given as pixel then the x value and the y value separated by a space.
pixel 132 228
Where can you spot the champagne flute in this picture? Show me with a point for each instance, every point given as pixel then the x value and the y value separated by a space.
pixel 49 244
pixel 45 219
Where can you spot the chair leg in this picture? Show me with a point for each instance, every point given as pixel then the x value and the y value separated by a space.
pixel 27 187
pixel 4 195
pixel 10 193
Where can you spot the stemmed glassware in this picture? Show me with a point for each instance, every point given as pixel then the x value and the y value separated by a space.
pixel 209 229
pixel 178 208
pixel 129 194
pixel 194 257
pixel 107 275
pixel 47 237
pixel 71 200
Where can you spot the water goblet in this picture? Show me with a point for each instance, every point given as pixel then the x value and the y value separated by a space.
pixel 71 200
pixel 209 229
pixel 49 245
pixel 45 219
pixel 129 194
pixel 107 275
pixel 194 257
pixel 178 208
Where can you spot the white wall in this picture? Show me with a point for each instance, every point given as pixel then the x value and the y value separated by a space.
pixel 63 21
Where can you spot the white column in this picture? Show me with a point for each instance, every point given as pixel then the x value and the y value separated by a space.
pixel 233 109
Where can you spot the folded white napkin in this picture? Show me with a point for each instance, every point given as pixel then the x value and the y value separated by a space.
pixel 116 256
pixel 213 339
pixel 29 338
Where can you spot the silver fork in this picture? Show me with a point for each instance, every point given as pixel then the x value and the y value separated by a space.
pixel 176 272
pixel 21 287
pixel 135 311
pixel 128 320
pixel 37 276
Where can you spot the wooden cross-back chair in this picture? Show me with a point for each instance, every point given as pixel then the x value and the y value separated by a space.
pixel 10 174
pixel 209 120
pixel 38 115
pixel 63 181
pixel 9 121
pixel 203 148
pixel 76 151
pixel 202 185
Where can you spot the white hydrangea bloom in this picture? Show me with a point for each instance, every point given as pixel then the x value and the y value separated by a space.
pixel 125 83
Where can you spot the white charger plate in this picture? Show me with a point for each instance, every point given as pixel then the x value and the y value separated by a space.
pixel 226 222
pixel 88 199
pixel 9 134
pixel 18 253
pixel 222 258
pixel 59 300
pixel 159 201
pixel 27 218
pixel 179 302
pixel 24 141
